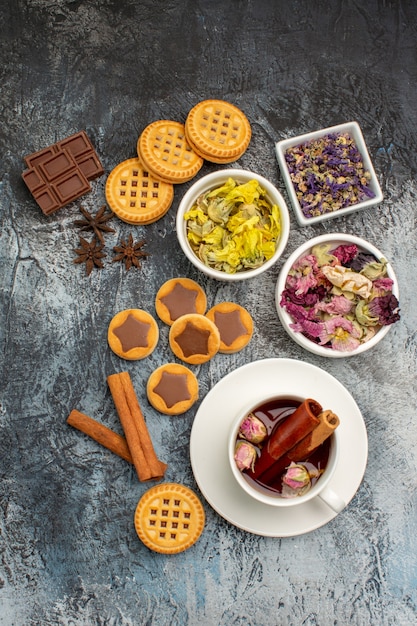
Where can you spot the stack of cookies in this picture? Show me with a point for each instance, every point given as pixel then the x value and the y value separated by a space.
pixel 140 190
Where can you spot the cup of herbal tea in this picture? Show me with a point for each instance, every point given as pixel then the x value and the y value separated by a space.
pixel 283 451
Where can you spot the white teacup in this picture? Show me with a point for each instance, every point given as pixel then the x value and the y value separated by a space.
pixel 320 489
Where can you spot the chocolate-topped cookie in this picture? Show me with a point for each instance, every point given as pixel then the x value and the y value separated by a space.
pixel 172 389
pixel 194 338
pixel 177 297
pixel 235 326
pixel 133 334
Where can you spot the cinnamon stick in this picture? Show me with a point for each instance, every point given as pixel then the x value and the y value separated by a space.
pixel 287 434
pixel 100 433
pixel 145 460
pixel 328 422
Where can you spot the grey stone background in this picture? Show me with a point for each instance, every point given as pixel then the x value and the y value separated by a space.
pixel 69 552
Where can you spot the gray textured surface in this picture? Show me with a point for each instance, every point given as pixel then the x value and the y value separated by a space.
pixel 69 553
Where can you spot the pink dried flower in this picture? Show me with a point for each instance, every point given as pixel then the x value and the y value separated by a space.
pixel 302 275
pixel 382 286
pixel 338 305
pixel 345 253
pixel 341 333
pixel 245 455
pixel 253 429
pixel 296 481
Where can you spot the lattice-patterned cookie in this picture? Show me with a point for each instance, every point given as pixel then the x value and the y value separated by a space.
pixel 169 518
pixel 164 149
pixel 218 131
pixel 135 195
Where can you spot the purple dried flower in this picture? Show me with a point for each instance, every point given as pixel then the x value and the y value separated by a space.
pixel 385 308
pixel 328 174
pixel 304 299
pixel 362 259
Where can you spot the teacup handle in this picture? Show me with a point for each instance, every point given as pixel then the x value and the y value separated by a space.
pixel 332 499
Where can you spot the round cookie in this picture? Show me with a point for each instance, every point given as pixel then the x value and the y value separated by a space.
pixel 218 131
pixel 179 296
pixel 194 338
pixel 164 149
pixel 133 334
pixel 172 389
pixel 169 518
pixel 135 195
pixel 235 325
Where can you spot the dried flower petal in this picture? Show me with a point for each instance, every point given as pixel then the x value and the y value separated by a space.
pixel 296 481
pixel 245 455
pixel 341 333
pixel 386 308
pixel 345 253
pixel 253 429
pixel 348 280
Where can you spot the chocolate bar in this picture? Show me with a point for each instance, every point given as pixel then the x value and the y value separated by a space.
pixel 60 173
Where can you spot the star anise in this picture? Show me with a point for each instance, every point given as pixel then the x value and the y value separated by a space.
pixel 96 223
pixel 90 253
pixel 129 252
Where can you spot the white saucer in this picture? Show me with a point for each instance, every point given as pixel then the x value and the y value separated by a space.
pixel 212 423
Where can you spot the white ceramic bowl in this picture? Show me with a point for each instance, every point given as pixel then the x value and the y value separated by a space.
pixel 336 239
pixel 355 132
pixel 216 179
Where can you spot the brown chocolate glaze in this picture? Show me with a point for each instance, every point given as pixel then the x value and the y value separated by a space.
pixel 172 388
pixel 230 326
pixel 193 340
pixel 132 333
pixel 180 301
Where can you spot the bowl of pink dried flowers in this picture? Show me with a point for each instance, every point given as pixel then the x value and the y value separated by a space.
pixel 337 295
pixel 328 173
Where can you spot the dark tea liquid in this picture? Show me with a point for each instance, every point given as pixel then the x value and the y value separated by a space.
pixel 271 414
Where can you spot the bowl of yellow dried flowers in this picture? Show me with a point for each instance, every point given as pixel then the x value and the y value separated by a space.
pixel 337 295
pixel 233 224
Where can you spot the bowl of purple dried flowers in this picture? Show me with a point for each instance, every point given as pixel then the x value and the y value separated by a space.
pixel 328 173
pixel 337 295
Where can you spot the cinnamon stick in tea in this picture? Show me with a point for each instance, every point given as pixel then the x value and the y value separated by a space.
pixel 145 460
pixel 100 433
pixel 287 434
pixel 328 422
